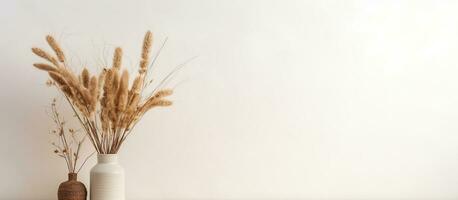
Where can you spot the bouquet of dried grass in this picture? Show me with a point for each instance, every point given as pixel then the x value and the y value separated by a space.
pixel 105 105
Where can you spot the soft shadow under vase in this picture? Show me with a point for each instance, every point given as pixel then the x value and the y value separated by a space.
pixel 72 189
pixel 107 179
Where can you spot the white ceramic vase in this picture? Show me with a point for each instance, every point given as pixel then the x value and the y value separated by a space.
pixel 107 179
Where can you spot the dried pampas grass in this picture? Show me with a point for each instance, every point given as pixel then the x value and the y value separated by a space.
pixel 105 105
pixel 121 97
pixel 59 53
pixel 147 42
pixel 41 53
pixel 45 67
pixel 85 78
pixel 117 58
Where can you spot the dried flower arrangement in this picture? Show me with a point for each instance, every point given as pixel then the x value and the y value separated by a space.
pixel 105 105
pixel 69 141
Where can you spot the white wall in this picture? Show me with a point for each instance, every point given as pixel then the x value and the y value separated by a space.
pixel 287 99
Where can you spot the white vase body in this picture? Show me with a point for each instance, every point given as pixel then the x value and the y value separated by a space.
pixel 107 179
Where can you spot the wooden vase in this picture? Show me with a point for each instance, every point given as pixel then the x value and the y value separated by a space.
pixel 72 189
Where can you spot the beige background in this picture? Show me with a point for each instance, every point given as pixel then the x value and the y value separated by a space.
pixel 286 100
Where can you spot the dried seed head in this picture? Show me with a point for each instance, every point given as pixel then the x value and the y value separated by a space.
pixel 115 83
pixel 70 77
pixel 101 79
pixel 57 78
pixel 122 94
pixel 147 42
pixel 155 103
pixel 93 86
pixel 163 93
pixel 87 98
pixel 108 81
pixel 117 58
pixel 137 85
pixel 67 91
pixel 52 42
pixel 159 102
pixel 105 120
pixel 94 91
pixel 45 67
pixel 135 99
pixel 164 103
pixel 85 77
pixel 41 53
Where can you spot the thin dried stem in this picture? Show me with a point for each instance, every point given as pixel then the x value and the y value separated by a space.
pixel 69 144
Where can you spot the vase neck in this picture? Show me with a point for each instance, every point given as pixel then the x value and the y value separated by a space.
pixel 72 176
pixel 107 158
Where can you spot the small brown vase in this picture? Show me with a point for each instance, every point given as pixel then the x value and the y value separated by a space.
pixel 72 189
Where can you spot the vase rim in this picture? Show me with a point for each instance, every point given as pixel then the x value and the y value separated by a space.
pixel 72 176
pixel 107 158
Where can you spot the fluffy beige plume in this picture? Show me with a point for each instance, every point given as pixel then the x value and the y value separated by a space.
pixel 52 42
pixel 155 103
pixel 163 93
pixel 137 85
pixel 130 110
pixel 108 80
pixel 69 76
pixel 135 99
pixel 63 85
pixel 134 94
pixel 85 76
pixel 141 110
pixel 94 91
pixel 163 103
pixel 115 84
pixel 67 91
pixel 121 97
pixel 81 96
pixel 147 42
pixel 45 67
pixel 107 100
pixel 105 121
pixel 157 100
pixel 58 78
pixel 43 54
pixel 86 97
pixel 101 81
pixel 117 58
pixel 111 105
pixel 93 86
